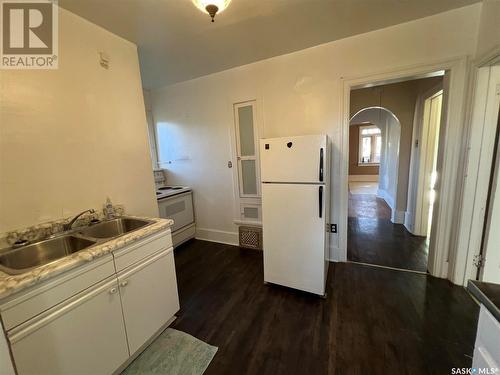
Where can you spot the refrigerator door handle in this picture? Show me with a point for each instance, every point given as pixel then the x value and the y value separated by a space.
pixel 321 164
pixel 321 201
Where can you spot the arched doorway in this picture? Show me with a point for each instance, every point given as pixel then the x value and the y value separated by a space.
pixel 374 156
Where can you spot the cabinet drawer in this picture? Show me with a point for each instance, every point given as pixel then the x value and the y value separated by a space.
pixel 19 308
pixel 149 297
pixel 84 335
pixel 134 253
pixel 488 334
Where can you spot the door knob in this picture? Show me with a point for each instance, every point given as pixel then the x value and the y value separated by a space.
pixel 113 291
pixel 124 283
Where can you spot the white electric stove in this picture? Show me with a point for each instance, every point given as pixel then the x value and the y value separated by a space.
pixel 176 203
pixel 168 191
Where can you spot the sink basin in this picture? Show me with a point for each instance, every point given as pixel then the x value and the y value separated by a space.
pixel 114 228
pixel 20 260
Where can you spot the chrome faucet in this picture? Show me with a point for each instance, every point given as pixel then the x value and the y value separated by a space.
pixel 69 225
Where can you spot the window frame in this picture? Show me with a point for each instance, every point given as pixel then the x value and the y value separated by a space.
pixel 373 142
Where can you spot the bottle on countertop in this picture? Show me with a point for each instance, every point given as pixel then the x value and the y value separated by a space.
pixel 109 211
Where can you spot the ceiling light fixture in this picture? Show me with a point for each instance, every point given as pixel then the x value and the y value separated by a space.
pixel 212 7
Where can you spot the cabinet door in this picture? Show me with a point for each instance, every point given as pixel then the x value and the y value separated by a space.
pixel 149 297
pixel 85 335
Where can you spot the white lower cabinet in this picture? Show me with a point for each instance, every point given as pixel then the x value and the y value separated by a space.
pixel 93 319
pixel 149 297
pixel 84 335
pixel 487 347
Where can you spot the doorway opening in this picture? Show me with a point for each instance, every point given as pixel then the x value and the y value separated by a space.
pixel 393 160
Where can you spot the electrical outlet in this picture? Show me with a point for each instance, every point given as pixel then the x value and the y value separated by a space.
pixel 333 228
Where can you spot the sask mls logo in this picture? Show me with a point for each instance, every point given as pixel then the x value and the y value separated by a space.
pixel 29 34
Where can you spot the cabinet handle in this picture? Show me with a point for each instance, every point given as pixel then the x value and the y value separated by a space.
pixel 113 291
pixel 124 283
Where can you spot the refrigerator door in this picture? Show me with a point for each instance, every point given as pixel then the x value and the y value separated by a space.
pixel 294 159
pixel 294 235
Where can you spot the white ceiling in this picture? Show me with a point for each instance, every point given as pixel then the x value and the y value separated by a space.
pixel 178 42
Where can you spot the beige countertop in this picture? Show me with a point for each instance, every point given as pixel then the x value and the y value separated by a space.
pixel 10 284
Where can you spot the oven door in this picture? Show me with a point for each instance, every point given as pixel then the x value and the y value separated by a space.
pixel 178 208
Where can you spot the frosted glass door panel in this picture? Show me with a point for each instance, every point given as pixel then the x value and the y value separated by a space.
pixel 247 142
pixel 249 177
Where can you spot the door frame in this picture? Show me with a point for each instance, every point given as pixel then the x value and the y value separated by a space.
pixel 479 167
pixel 250 201
pixel 448 187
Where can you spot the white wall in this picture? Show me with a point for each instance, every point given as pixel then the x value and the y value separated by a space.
pixel 489 29
pixel 301 93
pixel 73 136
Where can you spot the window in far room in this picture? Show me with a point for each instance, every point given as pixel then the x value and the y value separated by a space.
pixel 370 145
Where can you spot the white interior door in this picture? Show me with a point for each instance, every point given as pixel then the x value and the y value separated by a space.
pixel 293 159
pixel 149 297
pixel 429 141
pixel 247 149
pixel 294 236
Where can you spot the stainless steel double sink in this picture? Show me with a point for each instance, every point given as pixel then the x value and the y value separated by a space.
pixel 20 260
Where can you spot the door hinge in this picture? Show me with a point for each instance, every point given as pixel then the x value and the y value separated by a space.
pixel 478 261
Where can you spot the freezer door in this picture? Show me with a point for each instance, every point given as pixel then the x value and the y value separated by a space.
pixel 294 159
pixel 294 236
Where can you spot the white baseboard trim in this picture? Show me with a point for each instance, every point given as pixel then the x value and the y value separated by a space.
pixel 398 217
pixel 409 221
pixel 335 255
pixel 363 178
pixel 381 193
pixel 214 235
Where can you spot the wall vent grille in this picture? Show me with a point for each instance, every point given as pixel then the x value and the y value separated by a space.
pixel 250 237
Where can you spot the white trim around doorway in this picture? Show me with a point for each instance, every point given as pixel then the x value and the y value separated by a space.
pixel 483 126
pixel 448 189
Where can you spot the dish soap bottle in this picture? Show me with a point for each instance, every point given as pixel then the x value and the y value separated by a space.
pixel 109 211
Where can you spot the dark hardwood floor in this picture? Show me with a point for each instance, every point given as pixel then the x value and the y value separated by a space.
pixel 368 206
pixel 374 320
pixel 372 238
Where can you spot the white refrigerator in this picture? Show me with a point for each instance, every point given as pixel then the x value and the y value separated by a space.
pixel 295 174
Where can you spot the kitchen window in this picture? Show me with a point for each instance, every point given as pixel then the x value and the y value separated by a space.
pixel 370 145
